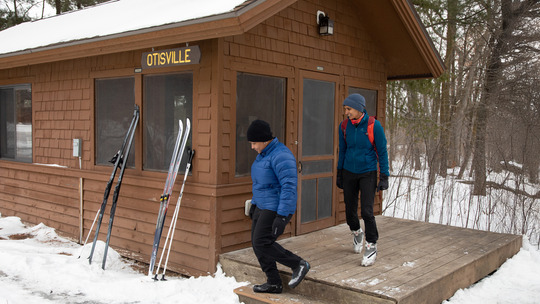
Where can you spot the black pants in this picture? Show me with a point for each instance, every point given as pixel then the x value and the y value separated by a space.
pixel 366 184
pixel 267 250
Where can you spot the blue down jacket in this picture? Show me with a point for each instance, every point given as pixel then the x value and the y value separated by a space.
pixel 275 179
pixel 357 154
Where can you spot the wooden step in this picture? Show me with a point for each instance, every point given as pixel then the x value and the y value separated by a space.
pixel 247 296
pixel 245 269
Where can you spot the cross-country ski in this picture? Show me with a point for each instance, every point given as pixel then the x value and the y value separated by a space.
pixel 176 159
pixel 172 227
pixel 119 160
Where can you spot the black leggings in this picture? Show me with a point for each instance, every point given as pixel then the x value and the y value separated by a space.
pixel 267 250
pixel 365 184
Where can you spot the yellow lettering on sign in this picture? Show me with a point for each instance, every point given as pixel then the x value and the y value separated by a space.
pixel 162 58
pixel 180 56
pixel 149 60
pixel 187 55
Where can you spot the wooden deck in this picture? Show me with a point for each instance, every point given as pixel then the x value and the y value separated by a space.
pixel 417 262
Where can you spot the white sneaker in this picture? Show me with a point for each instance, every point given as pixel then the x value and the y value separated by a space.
pixel 358 240
pixel 370 254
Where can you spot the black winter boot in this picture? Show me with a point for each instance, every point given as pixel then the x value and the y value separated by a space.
pixel 268 288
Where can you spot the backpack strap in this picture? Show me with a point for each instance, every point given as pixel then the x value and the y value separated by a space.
pixel 344 127
pixel 370 134
pixel 370 124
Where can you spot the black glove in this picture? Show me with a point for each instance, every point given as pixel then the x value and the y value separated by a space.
pixel 279 225
pixel 339 179
pixel 251 210
pixel 383 182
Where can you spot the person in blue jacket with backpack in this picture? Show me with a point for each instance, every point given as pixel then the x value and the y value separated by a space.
pixel 362 146
pixel 274 198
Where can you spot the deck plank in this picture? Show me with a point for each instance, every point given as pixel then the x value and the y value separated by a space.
pixel 417 262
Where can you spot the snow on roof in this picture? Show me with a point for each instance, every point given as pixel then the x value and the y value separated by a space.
pixel 109 18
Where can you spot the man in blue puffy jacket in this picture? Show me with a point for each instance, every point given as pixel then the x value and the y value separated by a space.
pixel 357 173
pixel 274 179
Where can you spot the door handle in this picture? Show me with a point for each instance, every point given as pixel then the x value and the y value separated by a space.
pixel 299 167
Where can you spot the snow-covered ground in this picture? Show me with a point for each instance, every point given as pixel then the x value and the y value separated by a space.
pixel 38 266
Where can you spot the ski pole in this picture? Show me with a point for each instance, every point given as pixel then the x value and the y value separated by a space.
pixel 191 153
pixel 89 232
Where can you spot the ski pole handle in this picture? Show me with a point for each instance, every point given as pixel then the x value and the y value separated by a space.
pixel 191 153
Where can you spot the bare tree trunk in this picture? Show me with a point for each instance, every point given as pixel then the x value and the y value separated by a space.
pixel 391 123
pixel 445 117
pixel 58 5
pixel 479 152
pixel 501 41
pixel 15 15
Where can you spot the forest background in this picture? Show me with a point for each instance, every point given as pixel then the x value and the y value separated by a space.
pixel 478 120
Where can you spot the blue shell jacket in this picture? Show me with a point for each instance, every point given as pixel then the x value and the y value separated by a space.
pixel 358 155
pixel 275 179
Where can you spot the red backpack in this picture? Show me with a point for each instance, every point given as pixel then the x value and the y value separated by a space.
pixel 371 123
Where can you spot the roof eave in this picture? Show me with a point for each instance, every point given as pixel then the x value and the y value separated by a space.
pixel 421 39
pixel 228 24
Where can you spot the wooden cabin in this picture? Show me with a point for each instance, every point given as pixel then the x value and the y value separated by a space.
pixel 252 59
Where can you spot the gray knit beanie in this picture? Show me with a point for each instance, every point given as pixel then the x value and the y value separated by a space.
pixel 355 101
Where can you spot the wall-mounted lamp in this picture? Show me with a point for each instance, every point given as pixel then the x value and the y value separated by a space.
pixel 326 26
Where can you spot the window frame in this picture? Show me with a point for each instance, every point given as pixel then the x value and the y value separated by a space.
pixel 289 110
pixel 96 126
pixel 23 83
pixel 143 117
pixel 138 139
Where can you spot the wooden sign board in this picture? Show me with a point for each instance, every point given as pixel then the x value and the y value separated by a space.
pixel 171 57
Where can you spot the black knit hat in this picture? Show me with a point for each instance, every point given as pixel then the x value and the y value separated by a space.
pixel 259 131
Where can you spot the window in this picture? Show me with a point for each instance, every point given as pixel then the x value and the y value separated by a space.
pixel 115 99
pixel 258 97
pixel 371 99
pixel 167 99
pixel 16 122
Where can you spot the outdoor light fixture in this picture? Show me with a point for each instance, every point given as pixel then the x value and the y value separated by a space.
pixel 326 26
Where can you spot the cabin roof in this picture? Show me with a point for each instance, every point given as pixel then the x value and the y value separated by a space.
pixel 123 25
